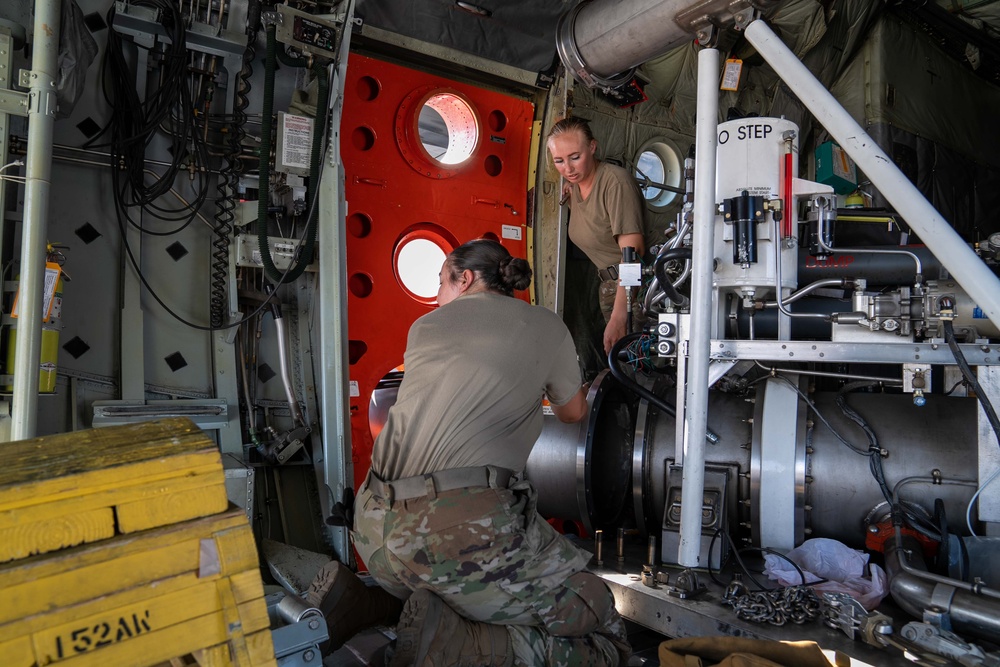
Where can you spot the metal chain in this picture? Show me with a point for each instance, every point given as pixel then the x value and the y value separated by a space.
pixel 796 604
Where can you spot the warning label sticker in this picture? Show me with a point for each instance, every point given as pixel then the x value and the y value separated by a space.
pixel 296 141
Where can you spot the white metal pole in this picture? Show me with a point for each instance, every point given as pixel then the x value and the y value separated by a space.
pixel 933 229
pixel 38 171
pixel 699 347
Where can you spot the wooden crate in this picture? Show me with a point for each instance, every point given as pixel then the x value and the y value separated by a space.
pixel 141 599
pixel 74 488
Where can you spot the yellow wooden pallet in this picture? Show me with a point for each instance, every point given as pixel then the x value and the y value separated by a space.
pixel 73 488
pixel 141 599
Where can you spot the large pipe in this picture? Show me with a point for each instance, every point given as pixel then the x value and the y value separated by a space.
pixel 696 413
pixel 969 613
pixel 38 171
pixel 877 269
pixel 965 266
pixel 598 41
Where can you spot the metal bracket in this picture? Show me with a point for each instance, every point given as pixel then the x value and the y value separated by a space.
pixel 14 102
pixel 686 585
pixel 271 18
pixel 206 413
pixel 846 614
pixel 43 102
pixel 298 643
pixel 745 17
pixel 947 644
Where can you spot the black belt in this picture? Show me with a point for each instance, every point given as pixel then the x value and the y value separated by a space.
pixel 609 273
pixel 440 481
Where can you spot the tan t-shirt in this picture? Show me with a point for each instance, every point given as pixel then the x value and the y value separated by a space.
pixel 614 207
pixel 475 371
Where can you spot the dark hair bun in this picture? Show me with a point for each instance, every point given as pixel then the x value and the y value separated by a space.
pixel 515 272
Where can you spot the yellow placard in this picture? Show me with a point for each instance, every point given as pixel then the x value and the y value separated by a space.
pixel 731 74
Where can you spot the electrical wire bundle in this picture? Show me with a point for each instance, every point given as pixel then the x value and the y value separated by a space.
pixel 135 124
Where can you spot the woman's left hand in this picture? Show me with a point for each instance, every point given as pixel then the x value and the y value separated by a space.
pixel 613 333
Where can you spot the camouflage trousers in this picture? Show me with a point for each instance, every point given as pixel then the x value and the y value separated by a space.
pixel 493 559
pixel 607 291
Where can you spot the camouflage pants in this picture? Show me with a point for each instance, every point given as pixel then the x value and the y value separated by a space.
pixel 606 293
pixel 493 559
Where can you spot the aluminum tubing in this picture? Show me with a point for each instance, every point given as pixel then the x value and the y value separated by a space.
pixel 696 414
pixel 38 171
pixel 611 36
pixel 969 613
pixel 967 268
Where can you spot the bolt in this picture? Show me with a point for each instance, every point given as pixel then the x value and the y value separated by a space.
pixel 308 655
pixel 313 624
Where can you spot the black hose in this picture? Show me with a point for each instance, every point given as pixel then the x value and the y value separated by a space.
pixel 305 257
pixel 230 174
pixel 637 388
pixel 659 270
pixel 264 164
pixel 970 377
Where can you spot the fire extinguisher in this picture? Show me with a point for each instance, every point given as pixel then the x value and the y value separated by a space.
pixel 51 322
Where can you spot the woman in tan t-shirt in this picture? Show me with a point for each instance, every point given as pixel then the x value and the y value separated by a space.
pixel 607 214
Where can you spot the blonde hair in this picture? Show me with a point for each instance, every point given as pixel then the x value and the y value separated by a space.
pixel 569 124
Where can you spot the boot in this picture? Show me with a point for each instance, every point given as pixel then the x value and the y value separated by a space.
pixel 432 634
pixel 348 605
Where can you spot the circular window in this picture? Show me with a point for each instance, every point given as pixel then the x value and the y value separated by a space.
pixel 658 164
pixel 417 261
pixel 437 131
pixel 448 128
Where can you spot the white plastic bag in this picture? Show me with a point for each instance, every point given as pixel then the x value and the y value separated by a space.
pixel 842 567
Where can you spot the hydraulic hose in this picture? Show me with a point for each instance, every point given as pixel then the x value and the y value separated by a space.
pixel 637 388
pixel 264 164
pixel 659 270
pixel 315 166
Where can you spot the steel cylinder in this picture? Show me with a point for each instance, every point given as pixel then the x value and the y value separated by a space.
pixel 884 269
pixel 838 490
pixel 607 37
pixel 582 471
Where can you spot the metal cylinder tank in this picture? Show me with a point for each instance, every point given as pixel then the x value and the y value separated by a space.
pixel 579 476
pixel 582 471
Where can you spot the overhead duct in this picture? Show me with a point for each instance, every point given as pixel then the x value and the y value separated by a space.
pixel 601 42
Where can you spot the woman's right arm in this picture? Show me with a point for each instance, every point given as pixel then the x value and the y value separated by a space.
pixel 573 411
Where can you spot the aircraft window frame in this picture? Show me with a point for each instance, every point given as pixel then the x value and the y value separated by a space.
pixel 427 233
pixel 670 163
pixel 429 113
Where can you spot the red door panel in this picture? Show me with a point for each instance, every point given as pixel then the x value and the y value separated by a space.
pixel 396 191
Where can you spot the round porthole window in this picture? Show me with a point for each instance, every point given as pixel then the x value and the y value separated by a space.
pixel 417 261
pixel 437 131
pixel 658 164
